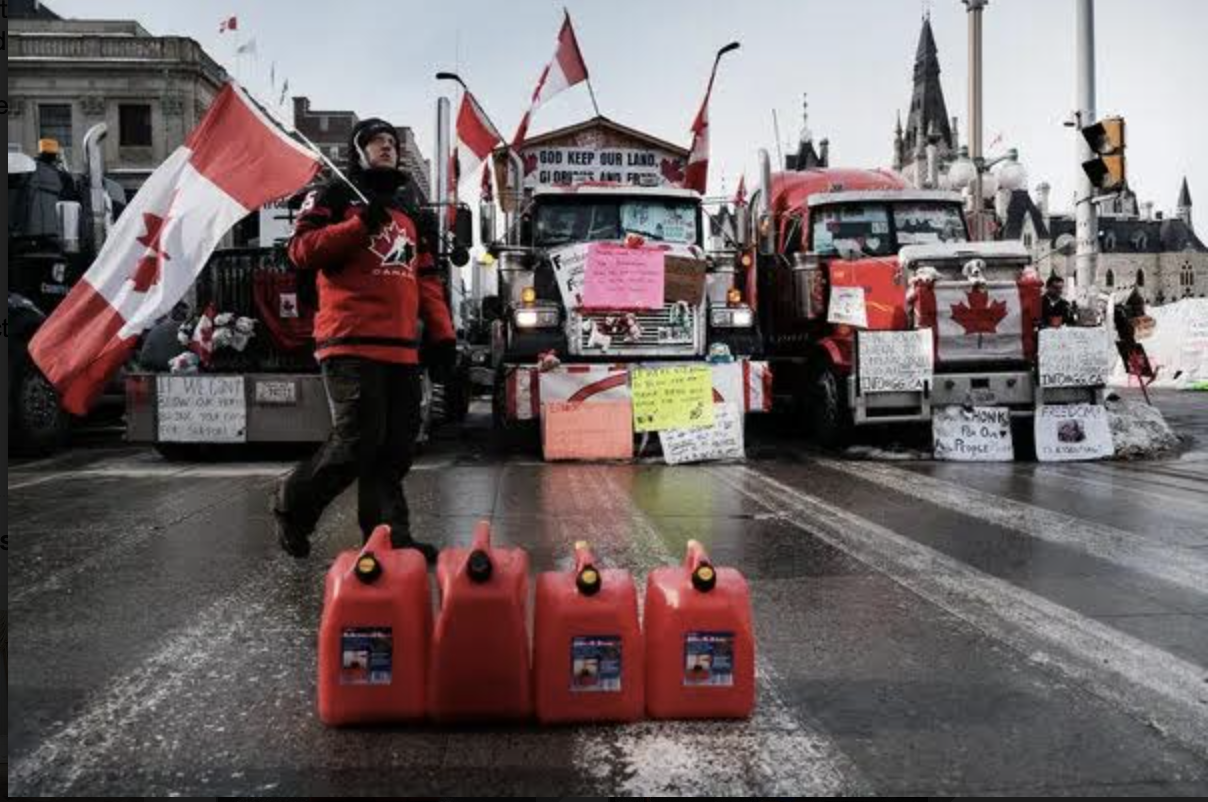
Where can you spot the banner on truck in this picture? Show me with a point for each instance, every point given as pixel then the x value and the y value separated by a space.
pixel 895 361
pixel 550 167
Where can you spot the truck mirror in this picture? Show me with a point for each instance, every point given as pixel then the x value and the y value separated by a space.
pixel 463 229
pixel 68 216
pixel 526 230
pixel 486 223
pixel 460 256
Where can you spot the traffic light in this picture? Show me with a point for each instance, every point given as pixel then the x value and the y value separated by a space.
pixel 1107 169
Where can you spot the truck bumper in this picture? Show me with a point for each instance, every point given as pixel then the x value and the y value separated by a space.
pixel 744 382
pixel 277 408
pixel 1014 389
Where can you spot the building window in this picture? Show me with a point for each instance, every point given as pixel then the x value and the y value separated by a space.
pixel 1027 241
pixel 54 122
pixel 1111 279
pixel 324 123
pixel 1187 278
pixel 135 125
pixel 1140 278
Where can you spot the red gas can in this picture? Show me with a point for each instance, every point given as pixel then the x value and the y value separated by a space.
pixel 588 664
pixel 374 635
pixel 480 653
pixel 700 645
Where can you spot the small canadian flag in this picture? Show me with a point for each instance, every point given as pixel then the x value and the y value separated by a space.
pixel 229 24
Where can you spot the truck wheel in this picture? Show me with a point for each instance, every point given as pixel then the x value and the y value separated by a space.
pixel 830 420
pixel 40 425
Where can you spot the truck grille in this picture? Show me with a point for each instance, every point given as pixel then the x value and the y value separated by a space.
pixel 657 337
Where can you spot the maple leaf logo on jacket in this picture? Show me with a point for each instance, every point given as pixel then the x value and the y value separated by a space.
pixel 978 315
pixel 393 246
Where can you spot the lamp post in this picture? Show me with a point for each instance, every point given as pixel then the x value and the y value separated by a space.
pixel 975 8
pixel 969 173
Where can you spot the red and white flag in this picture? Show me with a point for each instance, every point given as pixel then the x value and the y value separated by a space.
pixel 487 192
pixel 229 24
pixel 233 163
pixel 697 175
pixel 740 197
pixel 476 138
pixel 566 70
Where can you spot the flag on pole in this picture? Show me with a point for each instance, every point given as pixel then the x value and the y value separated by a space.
pixel 248 48
pixel 476 138
pixel 284 94
pixel 697 176
pixel 740 197
pixel 566 70
pixel 229 24
pixel 233 163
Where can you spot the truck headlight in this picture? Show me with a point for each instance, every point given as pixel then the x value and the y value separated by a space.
pixel 537 317
pixel 739 317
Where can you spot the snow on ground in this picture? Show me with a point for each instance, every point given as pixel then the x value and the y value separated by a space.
pixel 1139 431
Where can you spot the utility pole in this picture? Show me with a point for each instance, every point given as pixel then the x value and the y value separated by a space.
pixel 975 9
pixel 1087 214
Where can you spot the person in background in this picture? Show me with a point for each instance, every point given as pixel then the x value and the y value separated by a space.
pixel 1055 310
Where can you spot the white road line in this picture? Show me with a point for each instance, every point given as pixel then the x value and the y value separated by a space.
pixel 1127 549
pixel 1158 688
pixel 776 753
pixel 1148 493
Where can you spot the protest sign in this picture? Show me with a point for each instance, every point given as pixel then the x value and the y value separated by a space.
pixel 722 440
pixel 981 434
pixel 672 398
pixel 895 361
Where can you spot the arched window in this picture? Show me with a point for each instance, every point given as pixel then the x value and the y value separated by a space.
pixel 1109 241
pixel 1140 278
pixel 1111 279
pixel 1187 278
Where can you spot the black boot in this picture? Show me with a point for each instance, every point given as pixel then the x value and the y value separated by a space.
pixel 294 540
pixel 400 538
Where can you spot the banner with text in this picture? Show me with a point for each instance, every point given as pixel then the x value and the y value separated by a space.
pixel 1074 357
pixel 545 167
pixel 620 278
pixel 201 409
pixel 980 434
pixel 895 361
pixel 1072 433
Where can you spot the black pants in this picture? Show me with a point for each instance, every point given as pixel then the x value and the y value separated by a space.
pixel 375 410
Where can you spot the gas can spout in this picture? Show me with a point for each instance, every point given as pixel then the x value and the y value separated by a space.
pixel 704 576
pixel 587 577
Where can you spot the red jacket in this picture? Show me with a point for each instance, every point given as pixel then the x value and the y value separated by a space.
pixel 372 291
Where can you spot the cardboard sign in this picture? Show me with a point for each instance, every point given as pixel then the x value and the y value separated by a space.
pixel 684 280
pixel 201 409
pixel 602 430
pixel 623 278
pixel 1074 357
pixel 1072 433
pixel 895 361
pixel 847 307
pixel 672 398
pixel 570 270
pixel 1195 355
pixel 981 434
pixel 722 440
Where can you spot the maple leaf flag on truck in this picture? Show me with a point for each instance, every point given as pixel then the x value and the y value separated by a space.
pixel 233 163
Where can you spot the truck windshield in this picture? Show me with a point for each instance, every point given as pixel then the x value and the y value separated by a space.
pixel 928 223
pixel 863 229
pixel 658 220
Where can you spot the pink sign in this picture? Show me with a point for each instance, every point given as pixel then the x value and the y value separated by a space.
pixel 621 278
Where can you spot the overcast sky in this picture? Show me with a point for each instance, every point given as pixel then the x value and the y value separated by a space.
pixel 649 62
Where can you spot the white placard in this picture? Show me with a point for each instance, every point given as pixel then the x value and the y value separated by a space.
pixel 201 409
pixel 1074 357
pixel 847 306
pixel 276 223
pixel 723 440
pixel 570 268
pixel 630 166
pixel 981 434
pixel 1195 353
pixel 1072 433
pixel 896 361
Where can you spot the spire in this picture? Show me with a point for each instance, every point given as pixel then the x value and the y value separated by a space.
pixel 1184 196
pixel 928 111
pixel 806 134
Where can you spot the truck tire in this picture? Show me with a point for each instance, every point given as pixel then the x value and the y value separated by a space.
pixel 40 426
pixel 830 421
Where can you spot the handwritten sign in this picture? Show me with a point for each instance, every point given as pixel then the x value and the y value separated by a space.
pixel 201 409
pixel 1074 357
pixel 847 307
pixel 896 361
pixel 623 278
pixel 672 398
pixel 601 430
pixel 1072 433
pixel 1195 355
pixel 684 280
pixel 570 269
pixel 981 434
pixel 722 440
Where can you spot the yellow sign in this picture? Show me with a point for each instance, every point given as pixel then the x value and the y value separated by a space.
pixel 673 398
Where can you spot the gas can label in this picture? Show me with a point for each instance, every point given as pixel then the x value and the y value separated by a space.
pixel 709 659
pixel 366 656
pixel 595 665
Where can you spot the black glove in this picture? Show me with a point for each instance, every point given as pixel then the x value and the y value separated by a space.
pixel 441 360
pixel 375 215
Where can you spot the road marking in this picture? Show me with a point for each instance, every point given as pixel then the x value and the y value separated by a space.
pixel 1160 689
pixel 776 753
pixel 1148 492
pixel 1126 549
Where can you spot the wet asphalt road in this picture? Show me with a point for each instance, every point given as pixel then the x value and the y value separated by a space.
pixel 923 628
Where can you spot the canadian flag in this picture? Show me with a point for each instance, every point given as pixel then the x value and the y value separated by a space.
pixel 476 138
pixel 566 70
pixel 233 163
pixel 697 175
pixel 229 24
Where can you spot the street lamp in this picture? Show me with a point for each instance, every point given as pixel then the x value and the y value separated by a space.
pixel 967 173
